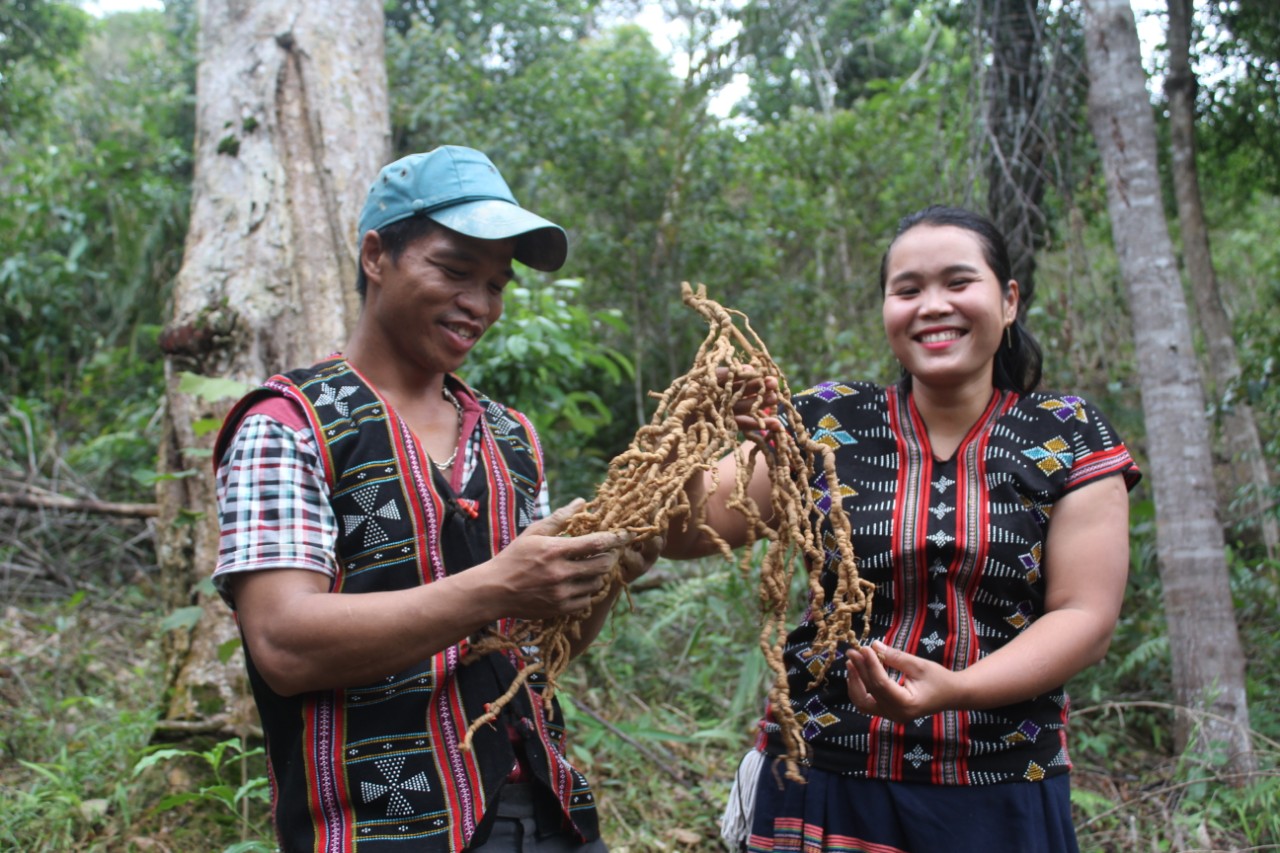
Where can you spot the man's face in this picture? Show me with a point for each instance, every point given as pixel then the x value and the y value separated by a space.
pixel 440 296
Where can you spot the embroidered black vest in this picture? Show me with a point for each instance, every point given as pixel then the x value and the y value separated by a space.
pixel 381 767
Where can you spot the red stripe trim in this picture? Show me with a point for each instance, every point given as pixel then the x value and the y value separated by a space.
pixel 1100 464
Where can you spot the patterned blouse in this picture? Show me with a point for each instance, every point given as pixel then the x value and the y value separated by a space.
pixel 956 550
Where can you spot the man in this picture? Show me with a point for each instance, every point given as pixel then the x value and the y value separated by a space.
pixel 377 515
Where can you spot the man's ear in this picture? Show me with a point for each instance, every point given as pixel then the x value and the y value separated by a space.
pixel 371 253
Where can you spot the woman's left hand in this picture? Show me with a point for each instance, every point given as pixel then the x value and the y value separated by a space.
pixel 923 688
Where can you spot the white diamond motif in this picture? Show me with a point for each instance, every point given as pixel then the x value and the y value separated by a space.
pixel 918 756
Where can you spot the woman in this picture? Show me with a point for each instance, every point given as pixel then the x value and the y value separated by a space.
pixel 994 525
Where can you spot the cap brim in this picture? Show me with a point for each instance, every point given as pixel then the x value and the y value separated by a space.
pixel 540 243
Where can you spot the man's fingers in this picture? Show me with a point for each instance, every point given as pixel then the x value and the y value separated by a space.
pixel 592 545
pixel 553 524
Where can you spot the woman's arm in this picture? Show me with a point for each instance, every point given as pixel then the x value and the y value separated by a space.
pixel 1086 568
pixel 713 489
pixel 634 561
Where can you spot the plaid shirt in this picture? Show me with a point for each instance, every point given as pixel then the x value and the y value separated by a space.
pixel 273 499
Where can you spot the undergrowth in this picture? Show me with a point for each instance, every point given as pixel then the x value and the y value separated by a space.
pixel 660 712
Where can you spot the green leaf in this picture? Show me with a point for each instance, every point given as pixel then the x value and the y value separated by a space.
pixel 211 388
pixel 173 801
pixel 149 477
pixel 182 619
pixel 224 794
pixel 250 847
pixel 52 772
pixel 227 649
pixel 517 347
pixel 204 426
pixel 256 788
pixel 148 761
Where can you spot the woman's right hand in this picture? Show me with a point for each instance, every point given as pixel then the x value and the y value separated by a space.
pixel 924 687
pixel 754 410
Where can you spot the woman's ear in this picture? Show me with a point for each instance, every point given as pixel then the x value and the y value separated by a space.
pixel 1011 297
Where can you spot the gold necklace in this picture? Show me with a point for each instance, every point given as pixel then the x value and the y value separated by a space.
pixel 448 395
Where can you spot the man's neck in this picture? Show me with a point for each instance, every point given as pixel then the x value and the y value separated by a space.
pixel 405 385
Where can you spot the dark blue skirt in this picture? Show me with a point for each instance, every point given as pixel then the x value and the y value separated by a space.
pixel 839 814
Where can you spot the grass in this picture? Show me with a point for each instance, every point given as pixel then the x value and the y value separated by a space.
pixel 81 764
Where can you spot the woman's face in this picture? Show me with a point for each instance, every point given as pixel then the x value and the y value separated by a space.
pixel 945 311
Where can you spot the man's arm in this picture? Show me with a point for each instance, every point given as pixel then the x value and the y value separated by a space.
pixel 304 638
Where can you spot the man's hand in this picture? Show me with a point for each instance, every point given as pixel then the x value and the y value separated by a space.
pixel 543 574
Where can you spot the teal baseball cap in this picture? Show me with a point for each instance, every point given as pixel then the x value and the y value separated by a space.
pixel 461 189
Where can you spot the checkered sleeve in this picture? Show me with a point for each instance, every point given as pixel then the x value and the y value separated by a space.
pixel 273 503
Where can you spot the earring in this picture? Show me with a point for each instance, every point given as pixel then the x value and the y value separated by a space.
pixel 1008 335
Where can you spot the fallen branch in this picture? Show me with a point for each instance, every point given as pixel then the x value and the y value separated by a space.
pixel 220 725
pixel 64 504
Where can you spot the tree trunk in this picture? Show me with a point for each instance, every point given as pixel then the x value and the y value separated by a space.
pixel 292 125
pixel 1208 665
pixel 1246 467
pixel 1016 134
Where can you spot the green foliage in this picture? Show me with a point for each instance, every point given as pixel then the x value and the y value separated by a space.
pixel 36 36
pixel 79 765
pixel 814 55
pixel 1240 126
pixel 74 722
pixel 504 35
pixel 782 211
pixel 665 704
pixel 102 172
pixel 235 797
pixel 546 359
pixel 1128 786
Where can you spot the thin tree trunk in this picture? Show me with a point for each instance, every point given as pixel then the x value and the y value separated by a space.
pixel 1014 113
pixel 1247 465
pixel 1208 664
pixel 292 124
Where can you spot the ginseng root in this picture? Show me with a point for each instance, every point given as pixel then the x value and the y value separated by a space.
pixel 693 428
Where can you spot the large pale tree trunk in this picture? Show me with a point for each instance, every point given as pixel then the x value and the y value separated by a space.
pixel 1208 665
pixel 1246 467
pixel 292 125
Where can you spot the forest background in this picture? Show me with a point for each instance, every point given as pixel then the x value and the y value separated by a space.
pixel 770 161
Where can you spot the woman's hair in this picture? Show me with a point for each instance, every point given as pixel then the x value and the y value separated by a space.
pixel 1019 360
pixel 395 238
